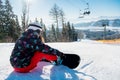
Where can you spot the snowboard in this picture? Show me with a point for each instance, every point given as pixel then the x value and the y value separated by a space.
pixel 71 60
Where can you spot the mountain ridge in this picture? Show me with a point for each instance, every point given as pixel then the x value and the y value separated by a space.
pixel 109 21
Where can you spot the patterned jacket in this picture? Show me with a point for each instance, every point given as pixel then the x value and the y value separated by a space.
pixel 25 47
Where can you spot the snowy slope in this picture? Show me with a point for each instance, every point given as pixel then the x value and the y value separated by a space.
pixel 98 62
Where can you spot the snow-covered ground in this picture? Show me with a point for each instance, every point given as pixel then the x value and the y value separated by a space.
pixel 98 62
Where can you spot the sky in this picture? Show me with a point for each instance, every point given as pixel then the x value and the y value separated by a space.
pixel 41 8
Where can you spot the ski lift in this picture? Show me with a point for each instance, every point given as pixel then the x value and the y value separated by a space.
pixel 81 15
pixel 86 11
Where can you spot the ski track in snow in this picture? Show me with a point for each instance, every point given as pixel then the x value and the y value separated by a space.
pixel 98 62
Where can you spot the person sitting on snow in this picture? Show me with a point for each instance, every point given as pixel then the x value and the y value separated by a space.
pixel 29 50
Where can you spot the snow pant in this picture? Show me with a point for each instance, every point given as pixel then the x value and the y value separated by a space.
pixel 38 56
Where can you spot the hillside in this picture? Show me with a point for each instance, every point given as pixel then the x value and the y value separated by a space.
pixel 98 62
pixel 99 23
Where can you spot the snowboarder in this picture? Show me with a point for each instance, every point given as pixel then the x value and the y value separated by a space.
pixel 29 50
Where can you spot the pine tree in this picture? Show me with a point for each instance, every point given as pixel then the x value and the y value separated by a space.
pixel 45 33
pixel 58 35
pixel 51 34
pixel 64 33
pixel 17 29
pixel 44 30
pixel 53 31
pixel 73 34
pixel 8 20
pixel 1 15
pixel 9 23
pixel 36 20
pixel 69 31
pixel 41 22
pixel 1 20
pixel 1 5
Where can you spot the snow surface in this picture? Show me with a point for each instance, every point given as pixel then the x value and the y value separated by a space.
pixel 98 62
